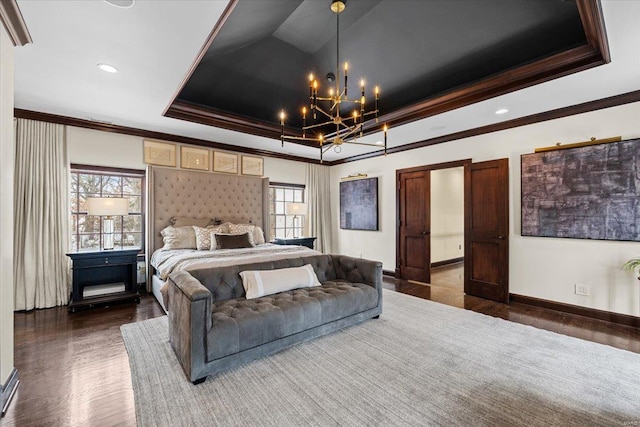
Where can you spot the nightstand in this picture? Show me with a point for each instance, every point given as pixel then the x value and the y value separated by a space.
pixel 101 277
pixel 299 241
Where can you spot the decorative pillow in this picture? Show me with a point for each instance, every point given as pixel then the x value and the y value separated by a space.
pixel 243 228
pixel 269 282
pixel 232 241
pixel 258 236
pixel 182 221
pixel 256 233
pixel 178 237
pixel 204 237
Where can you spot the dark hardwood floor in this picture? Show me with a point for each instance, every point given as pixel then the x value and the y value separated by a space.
pixel 74 369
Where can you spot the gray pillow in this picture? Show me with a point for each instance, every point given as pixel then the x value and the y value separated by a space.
pixel 233 241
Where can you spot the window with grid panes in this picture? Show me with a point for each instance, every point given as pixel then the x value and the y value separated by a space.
pixel 280 224
pixel 86 231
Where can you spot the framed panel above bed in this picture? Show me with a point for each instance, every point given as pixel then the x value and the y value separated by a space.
pixel 199 194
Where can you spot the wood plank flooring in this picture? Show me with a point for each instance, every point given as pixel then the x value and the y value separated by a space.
pixel 74 369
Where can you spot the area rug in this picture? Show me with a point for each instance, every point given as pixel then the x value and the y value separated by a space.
pixel 421 363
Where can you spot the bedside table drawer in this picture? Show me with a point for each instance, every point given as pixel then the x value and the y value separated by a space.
pixel 103 261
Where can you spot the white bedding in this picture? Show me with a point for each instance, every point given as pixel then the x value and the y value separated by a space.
pixel 165 262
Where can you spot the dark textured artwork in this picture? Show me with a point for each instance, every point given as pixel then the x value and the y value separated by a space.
pixel 359 204
pixel 589 192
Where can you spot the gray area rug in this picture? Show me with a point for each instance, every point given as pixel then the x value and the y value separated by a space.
pixel 421 363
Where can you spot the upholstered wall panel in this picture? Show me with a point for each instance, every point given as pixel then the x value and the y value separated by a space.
pixel 178 192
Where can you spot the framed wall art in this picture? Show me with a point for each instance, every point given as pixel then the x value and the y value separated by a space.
pixel 194 158
pixel 359 204
pixel 225 162
pixel 589 192
pixel 159 153
pixel 252 165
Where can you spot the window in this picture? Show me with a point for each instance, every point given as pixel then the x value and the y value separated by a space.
pixel 90 181
pixel 280 224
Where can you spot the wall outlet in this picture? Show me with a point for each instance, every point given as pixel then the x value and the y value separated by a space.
pixel 582 289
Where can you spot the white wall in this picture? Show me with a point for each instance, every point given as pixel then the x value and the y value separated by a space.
pixel 545 268
pixel 447 214
pixel 6 201
pixel 97 148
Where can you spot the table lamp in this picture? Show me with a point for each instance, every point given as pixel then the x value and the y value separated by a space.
pixel 295 209
pixel 107 208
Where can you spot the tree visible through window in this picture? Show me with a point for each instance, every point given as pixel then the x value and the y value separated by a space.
pixel 280 224
pixel 86 232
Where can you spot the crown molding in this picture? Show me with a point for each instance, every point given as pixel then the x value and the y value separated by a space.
pixel 143 133
pixel 13 21
pixel 613 101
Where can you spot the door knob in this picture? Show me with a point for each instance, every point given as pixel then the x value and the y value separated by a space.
pixel 501 237
pixel 424 233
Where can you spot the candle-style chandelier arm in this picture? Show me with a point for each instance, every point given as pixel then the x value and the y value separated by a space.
pixel 350 130
pixel 321 111
pixel 317 125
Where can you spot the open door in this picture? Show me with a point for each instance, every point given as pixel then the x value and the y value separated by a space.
pixel 486 261
pixel 414 247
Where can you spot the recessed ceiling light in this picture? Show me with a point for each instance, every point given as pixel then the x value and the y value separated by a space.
pixel 123 4
pixel 502 111
pixel 108 68
pixel 379 142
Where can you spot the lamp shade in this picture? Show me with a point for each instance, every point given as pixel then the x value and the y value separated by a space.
pixel 107 206
pixel 295 208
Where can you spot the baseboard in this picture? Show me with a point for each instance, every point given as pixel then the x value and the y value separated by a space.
pixel 9 389
pixel 389 273
pixel 593 313
pixel 446 262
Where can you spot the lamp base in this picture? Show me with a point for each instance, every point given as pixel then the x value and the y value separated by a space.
pixel 107 228
pixel 295 229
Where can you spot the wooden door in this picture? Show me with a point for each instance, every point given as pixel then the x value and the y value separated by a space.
pixel 414 200
pixel 486 260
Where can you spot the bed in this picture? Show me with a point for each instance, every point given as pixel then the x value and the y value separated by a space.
pixel 181 195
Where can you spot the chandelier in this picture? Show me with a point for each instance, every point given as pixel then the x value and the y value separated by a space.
pixel 335 119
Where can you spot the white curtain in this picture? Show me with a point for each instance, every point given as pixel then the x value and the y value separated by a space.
pixel 41 225
pixel 319 204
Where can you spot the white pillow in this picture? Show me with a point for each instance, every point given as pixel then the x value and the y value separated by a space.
pixel 258 236
pixel 178 237
pixel 258 283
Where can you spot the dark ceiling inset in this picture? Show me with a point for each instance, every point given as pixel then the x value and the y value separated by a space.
pixel 427 57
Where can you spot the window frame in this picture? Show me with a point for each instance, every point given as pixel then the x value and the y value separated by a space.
pixel 108 171
pixel 272 211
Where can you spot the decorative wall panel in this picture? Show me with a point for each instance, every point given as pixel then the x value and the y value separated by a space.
pixel 590 192
pixel 359 204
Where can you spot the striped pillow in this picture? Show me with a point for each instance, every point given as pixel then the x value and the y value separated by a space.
pixel 258 283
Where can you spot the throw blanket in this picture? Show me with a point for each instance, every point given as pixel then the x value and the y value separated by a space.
pixel 165 262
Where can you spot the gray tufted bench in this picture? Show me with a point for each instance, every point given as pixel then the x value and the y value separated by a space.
pixel 213 327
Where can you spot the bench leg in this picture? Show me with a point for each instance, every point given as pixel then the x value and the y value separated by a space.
pixel 376 317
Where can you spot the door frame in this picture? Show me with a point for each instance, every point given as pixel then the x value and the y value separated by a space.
pixel 465 163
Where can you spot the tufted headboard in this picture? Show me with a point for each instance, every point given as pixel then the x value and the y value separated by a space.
pixel 196 194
